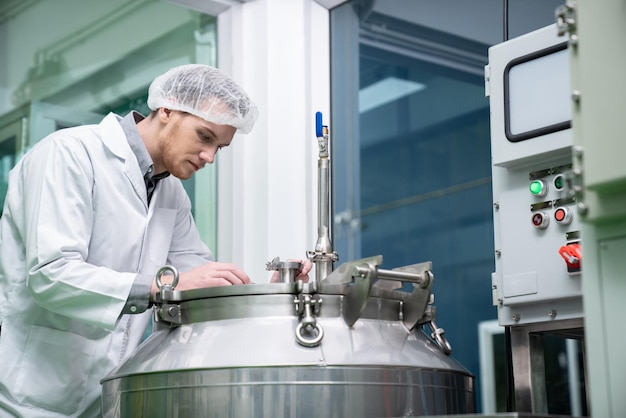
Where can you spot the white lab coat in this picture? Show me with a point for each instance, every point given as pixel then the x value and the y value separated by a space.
pixel 75 231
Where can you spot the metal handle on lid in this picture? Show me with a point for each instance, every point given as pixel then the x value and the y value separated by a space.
pixel 308 332
pixel 314 329
pixel 160 273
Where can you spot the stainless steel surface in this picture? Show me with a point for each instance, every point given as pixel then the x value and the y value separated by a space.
pixel 417 278
pixel 528 360
pixel 234 354
pixel 323 256
pixel 290 392
pixel 287 270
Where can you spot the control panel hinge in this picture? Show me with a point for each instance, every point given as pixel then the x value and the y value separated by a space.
pixel 565 16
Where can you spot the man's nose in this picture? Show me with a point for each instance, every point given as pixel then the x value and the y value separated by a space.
pixel 208 155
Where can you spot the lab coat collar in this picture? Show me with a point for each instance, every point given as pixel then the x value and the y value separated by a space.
pixel 114 139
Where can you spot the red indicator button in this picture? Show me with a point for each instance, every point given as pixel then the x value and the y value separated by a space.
pixel 572 254
pixel 563 216
pixel 540 220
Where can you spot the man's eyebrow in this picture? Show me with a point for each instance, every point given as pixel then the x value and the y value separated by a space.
pixel 205 129
pixel 212 134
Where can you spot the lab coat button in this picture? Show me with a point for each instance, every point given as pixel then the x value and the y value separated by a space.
pixel 133 309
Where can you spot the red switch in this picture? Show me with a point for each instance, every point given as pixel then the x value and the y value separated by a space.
pixel 563 216
pixel 572 254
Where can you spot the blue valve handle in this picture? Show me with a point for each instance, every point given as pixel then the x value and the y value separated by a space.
pixel 318 125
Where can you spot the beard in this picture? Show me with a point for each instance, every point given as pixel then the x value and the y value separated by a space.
pixel 179 168
pixel 172 157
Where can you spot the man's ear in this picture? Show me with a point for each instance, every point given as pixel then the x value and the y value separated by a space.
pixel 164 114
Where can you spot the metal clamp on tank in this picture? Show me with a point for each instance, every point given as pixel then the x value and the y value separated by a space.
pixel 167 312
pixel 360 276
pixel 416 308
pixel 437 334
pixel 414 303
pixel 308 303
pixel 287 270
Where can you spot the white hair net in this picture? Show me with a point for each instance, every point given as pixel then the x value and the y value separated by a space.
pixel 205 92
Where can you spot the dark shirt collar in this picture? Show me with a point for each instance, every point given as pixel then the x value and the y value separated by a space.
pixel 129 126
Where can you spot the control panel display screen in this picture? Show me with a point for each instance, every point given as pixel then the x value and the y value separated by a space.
pixel 537 94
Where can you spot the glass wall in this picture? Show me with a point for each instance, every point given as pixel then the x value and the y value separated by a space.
pixel 411 144
pixel 70 62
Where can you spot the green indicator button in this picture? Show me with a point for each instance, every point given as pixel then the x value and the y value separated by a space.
pixel 558 182
pixel 537 188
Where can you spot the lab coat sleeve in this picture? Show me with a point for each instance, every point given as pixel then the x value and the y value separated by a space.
pixel 58 217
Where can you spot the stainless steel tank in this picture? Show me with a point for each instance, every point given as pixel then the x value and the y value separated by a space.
pixel 350 343
pixel 291 350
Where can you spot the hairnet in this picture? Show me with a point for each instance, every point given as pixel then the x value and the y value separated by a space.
pixel 205 92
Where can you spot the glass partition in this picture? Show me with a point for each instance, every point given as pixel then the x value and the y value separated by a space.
pixel 411 144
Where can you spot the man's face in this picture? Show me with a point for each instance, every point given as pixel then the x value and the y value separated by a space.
pixel 188 142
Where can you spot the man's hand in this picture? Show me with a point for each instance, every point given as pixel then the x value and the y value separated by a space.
pixel 211 274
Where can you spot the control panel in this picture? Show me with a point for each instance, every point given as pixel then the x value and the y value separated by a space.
pixel 537 237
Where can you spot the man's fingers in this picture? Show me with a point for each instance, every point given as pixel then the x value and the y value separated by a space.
pixel 231 272
pixel 306 266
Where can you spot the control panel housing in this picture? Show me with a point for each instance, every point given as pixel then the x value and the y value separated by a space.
pixel 536 226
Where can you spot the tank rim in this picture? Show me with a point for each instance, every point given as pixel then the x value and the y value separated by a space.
pixel 273 289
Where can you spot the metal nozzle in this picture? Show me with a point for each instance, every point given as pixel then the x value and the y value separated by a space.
pixel 323 256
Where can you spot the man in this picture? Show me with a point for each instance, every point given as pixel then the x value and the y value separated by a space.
pixel 91 214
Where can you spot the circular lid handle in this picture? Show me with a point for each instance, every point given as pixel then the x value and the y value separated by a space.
pixel 160 273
